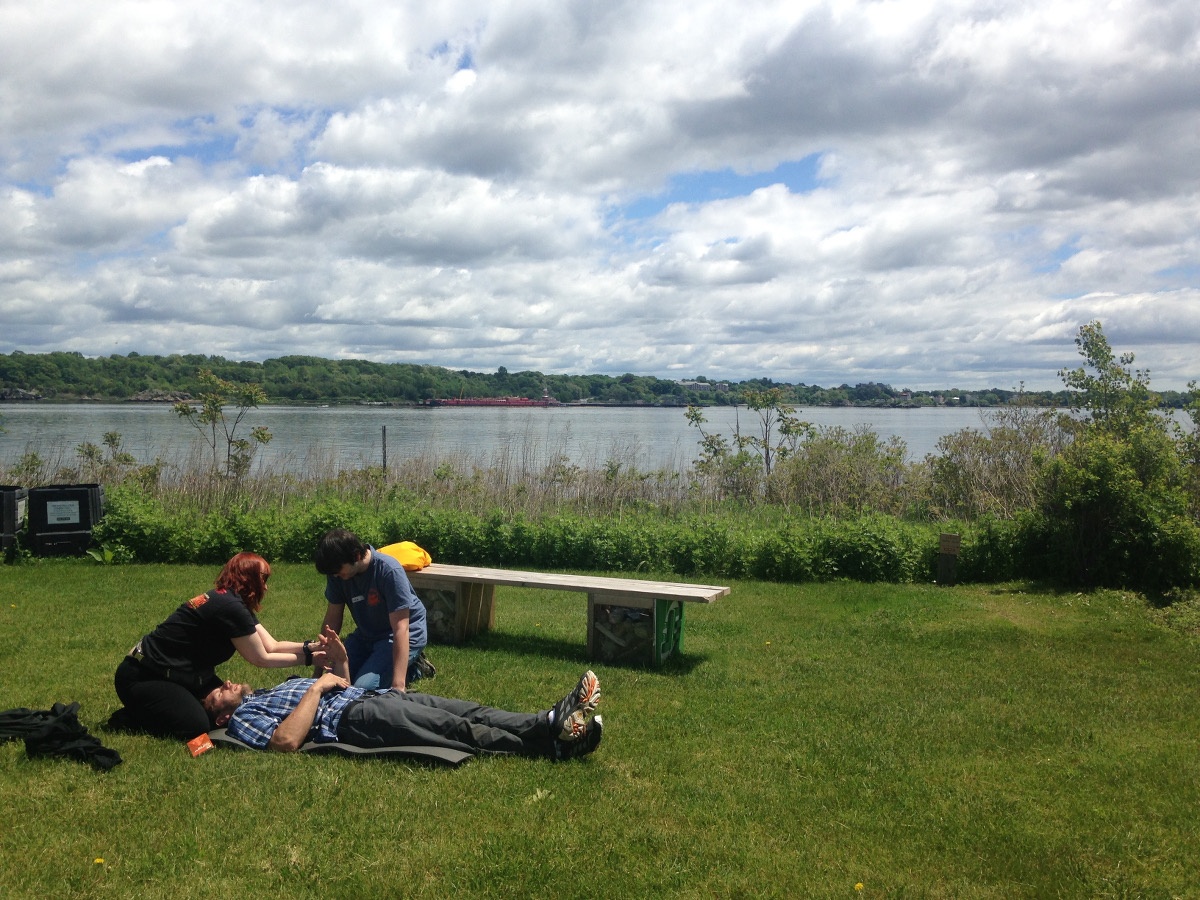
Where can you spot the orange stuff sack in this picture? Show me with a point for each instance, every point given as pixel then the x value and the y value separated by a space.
pixel 408 554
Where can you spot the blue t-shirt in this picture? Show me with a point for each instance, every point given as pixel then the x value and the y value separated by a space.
pixel 382 589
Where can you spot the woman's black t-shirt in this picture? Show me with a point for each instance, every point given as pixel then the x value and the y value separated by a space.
pixel 199 634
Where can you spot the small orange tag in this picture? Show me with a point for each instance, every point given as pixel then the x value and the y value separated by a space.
pixel 200 744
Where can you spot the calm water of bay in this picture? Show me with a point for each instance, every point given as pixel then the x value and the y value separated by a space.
pixel 351 436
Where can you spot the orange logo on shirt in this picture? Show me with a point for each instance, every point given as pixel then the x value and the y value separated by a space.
pixel 372 597
pixel 197 602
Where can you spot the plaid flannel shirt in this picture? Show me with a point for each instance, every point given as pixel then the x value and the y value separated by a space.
pixel 255 721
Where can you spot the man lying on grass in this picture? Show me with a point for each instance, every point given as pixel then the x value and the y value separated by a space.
pixel 329 708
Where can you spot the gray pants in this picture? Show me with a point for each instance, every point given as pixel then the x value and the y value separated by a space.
pixel 399 719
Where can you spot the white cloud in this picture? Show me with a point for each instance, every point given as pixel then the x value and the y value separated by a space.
pixel 460 81
pixel 445 183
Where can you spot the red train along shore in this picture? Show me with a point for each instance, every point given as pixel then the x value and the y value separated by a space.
pixel 493 401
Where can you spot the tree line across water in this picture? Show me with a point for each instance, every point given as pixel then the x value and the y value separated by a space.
pixel 64 376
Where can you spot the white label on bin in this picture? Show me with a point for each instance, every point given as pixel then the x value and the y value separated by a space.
pixel 62 512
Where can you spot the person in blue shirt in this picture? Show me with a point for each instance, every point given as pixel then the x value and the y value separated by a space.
pixel 386 648
pixel 329 708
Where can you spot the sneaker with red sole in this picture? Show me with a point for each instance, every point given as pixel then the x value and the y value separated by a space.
pixel 570 715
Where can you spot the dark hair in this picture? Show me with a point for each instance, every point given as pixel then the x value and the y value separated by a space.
pixel 338 548
pixel 246 575
pixel 244 691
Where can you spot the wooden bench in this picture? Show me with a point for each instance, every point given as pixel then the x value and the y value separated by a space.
pixel 628 619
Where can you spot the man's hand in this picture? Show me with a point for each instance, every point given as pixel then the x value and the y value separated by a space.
pixel 330 682
pixel 293 730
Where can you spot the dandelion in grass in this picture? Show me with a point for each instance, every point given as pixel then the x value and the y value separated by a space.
pixel 859 886
pixel 98 861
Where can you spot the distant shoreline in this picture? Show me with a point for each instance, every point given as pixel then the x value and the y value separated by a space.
pixel 404 404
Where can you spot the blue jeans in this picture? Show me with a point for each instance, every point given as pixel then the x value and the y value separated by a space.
pixel 371 662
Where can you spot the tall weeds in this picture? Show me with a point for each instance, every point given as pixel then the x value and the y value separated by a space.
pixel 989 473
pixel 830 472
pixel 516 478
pixel 994 471
pixel 842 472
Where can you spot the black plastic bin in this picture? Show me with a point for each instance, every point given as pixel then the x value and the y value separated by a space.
pixel 61 518
pixel 14 503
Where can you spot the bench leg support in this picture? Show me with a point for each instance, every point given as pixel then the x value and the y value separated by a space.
pixel 458 613
pixel 633 629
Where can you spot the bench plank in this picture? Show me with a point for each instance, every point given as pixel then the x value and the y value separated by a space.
pixel 437 574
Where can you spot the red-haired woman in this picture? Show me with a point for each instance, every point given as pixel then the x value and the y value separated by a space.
pixel 165 677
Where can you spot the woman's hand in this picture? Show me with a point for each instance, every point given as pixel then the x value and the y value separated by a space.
pixel 333 653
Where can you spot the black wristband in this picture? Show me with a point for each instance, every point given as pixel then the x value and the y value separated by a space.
pixel 307 654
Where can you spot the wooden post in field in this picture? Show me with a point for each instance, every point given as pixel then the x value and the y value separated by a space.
pixel 385 451
pixel 947 569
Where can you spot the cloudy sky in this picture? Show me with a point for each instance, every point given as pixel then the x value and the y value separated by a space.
pixel 928 194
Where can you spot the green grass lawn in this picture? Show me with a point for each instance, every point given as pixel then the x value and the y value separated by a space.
pixel 917 741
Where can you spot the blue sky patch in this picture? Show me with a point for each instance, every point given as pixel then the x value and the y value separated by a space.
pixel 1181 276
pixel 466 60
pixel 1053 261
pixel 799 176
pixel 195 142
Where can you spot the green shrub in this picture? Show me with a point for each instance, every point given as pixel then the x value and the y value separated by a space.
pixel 698 548
pixel 784 555
pixel 875 548
pixel 455 537
pixel 1114 513
pixel 991 552
pixel 137 522
pixel 304 527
